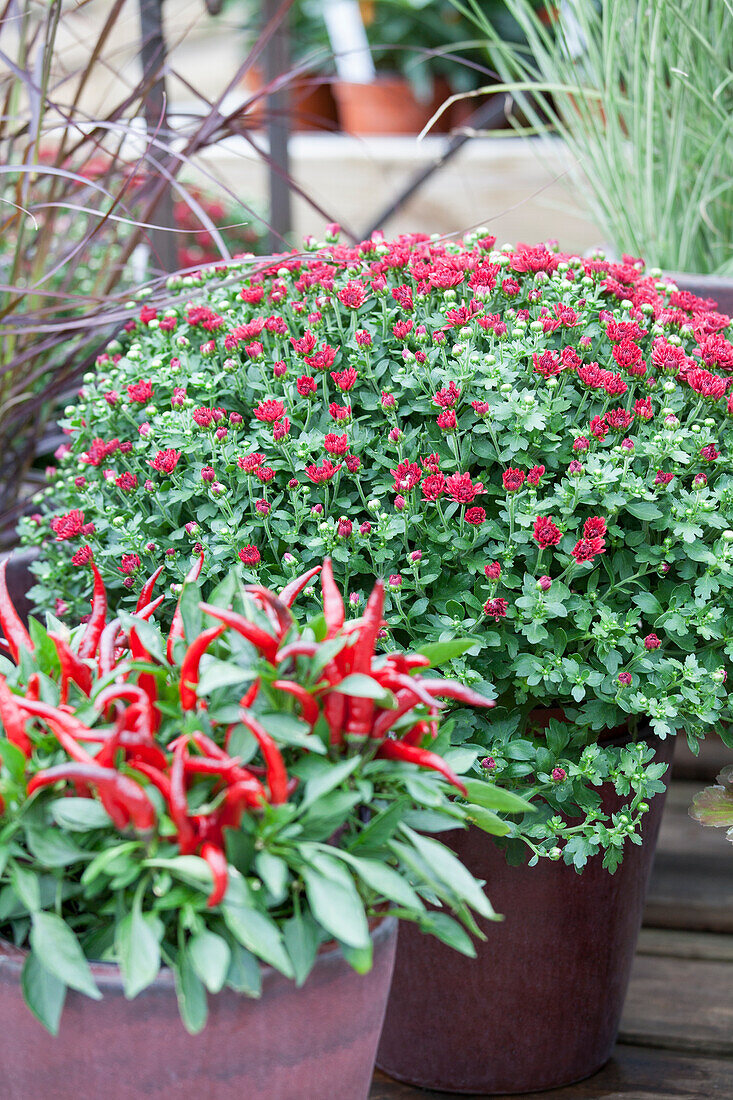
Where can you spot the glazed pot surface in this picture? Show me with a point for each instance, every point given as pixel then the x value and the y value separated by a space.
pixel 541 1004
pixel 291 1044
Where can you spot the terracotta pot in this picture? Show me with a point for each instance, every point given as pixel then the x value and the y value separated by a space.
pixel 386 106
pixel 311 104
pixel 708 286
pixel 288 1045
pixel 541 1004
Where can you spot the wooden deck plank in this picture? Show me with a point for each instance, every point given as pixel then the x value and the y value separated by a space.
pixel 680 1004
pixel 691 886
pixel 685 945
pixel 632 1074
pixel 712 757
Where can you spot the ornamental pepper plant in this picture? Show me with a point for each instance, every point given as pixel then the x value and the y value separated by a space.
pixel 233 790
pixel 531 446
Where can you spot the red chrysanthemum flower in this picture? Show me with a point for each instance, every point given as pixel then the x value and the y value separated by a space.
pixel 320 474
pixel 166 461
pixel 129 563
pixel 269 410
pixel 476 516
pixel 250 555
pixel 594 528
pixel 336 444
pixel 82 556
pixel 127 482
pixel 433 486
pixel 306 385
pixel 546 532
pixel 345 379
pixel 406 476
pixel 461 488
pixel 68 526
pixel 140 392
pixel 493 570
pixel 513 480
pixel 496 608
pixel 447 420
pixel 586 549
pixel 535 475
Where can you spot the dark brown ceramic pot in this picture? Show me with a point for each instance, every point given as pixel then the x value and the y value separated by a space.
pixel 717 287
pixel 291 1044
pixel 540 1006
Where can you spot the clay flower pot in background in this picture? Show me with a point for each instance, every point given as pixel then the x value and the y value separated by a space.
pixel 288 1044
pixel 540 1006
pixel 386 106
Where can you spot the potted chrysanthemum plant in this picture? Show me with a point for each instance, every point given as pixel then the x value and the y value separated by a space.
pixel 220 822
pixel 531 447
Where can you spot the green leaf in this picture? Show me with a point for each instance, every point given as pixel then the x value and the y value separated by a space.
pixel 363 687
pixel 54 848
pixel 301 940
pixel 43 993
pixel 327 779
pixel 385 880
pixel 106 860
pixel 648 603
pixel 191 995
pixel 359 958
pixel 382 827
pixel 440 652
pixel 26 886
pixel 643 509
pixel 59 951
pixel 451 871
pixel 138 950
pixel 495 798
pixel 448 930
pixel 13 759
pixel 487 820
pixel 274 874
pixel 218 674
pixel 259 934
pixel 79 815
pixel 244 974
pixel 335 903
pixel 210 957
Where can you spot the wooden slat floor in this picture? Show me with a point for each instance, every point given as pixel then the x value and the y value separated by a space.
pixel 676 1040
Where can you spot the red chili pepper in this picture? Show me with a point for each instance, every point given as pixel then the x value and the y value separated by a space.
pixel 136 695
pixel 217 861
pixel 107 659
pixel 232 772
pixel 282 613
pixel 71 667
pixel 66 728
pixel 125 801
pixel 155 775
pixel 451 689
pixel 149 609
pixel 264 643
pixel 33 690
pixel 333 604
pixel 334 711
pixel 308 706
pixel 396 750
pixel 178 803
pixel 291 591
pixel 297 649
pixel 250 694
pixel 406 700
pixel 146 680
pixel 147 590
pixel 176 630
pixel 397 681
pixel 361 711
pixel 190 665
pixel 418 732
pixel 12 719
pixel 11 624
pixel 98 618
pixel 277 776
